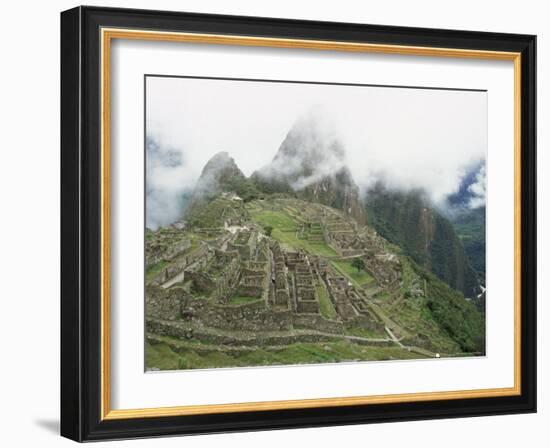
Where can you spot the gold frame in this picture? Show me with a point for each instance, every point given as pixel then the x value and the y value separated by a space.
pixel 107 35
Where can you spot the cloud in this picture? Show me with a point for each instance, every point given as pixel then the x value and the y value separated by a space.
pixel 310 151
pixel 167 183
pixel 478 189
pixel 410 138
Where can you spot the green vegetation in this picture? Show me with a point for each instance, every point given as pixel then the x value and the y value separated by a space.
pixel 209 214
pixel 325 305
pixel 407 220
pixel 358 263
pixel 358 278
pixel 412 314
pixel 275 219
pixel 470 227
pixel 448 260
pixel 155 269
pixel 366 333
pixel 423 313
pixel 166 353
pixel 285 231
pixel 320 249
pixel 459 318
pixel 399 217
pixel 384 295
pixel 243 187
pixel 443 317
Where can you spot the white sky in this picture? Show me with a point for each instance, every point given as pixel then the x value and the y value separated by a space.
pixel 410 137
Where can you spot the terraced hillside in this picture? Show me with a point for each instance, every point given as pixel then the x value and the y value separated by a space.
pixel 275 280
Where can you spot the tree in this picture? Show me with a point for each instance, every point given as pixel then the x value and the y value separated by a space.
pixel 268 230
pixel 358 264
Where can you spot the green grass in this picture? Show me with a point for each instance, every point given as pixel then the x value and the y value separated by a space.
pixel 155 269
pixel 320 249
pixel 241 300
pixel 365 332
pixel 407 274
pixel 325 305
pixel 284 231
pixel 275 219
pixel 384 295
pixel 358 278
pixel 172 354
pixel 415 317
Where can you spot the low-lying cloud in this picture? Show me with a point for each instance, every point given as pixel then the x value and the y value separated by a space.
pixel 478 189
pixel 167 183
pixel 407 138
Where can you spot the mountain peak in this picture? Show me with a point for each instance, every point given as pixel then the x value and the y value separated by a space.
pixel 219 163
pixel 220 174
pixel 310 151
pixel 311 162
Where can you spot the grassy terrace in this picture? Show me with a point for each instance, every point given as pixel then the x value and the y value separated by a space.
pixel 358 278
pixel 285 231
pixel 325 305
pixel 171 354
pixel 155 269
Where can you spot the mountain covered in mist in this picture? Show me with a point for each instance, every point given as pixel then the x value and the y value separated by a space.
pixel 311 163
pixel 220 174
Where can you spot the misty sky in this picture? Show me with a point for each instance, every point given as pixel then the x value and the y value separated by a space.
pixel 407 137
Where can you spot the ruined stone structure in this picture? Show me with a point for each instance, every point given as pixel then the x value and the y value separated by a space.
pixel 237 279
pixel 305 298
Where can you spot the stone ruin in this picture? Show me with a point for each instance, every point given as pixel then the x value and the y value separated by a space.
pixel 304 286
pixel 197 285
pixel 280 288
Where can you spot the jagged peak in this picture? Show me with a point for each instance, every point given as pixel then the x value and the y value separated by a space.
pixel 220 161
pixel 311 151
pixel 218 175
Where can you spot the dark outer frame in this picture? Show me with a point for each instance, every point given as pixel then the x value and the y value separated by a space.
pixel 81 224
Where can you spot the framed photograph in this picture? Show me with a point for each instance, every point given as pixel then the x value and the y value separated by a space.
pixel 273 223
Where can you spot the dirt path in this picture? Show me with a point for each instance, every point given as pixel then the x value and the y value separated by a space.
pixel 178 278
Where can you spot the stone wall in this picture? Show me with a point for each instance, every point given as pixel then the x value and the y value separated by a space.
pixel 318 323
pixel 307 306
pixel 201 282
pixel 186 331
pixel 249 290
pixel 225 283
pixel 281 297
pixel 365 321
pixel 248 317
pixel 163 305
pixel 199 257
